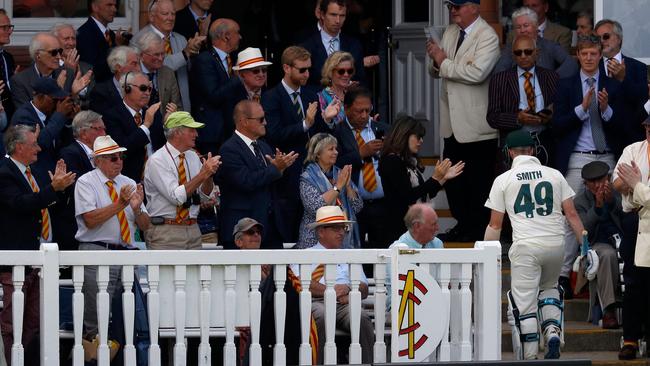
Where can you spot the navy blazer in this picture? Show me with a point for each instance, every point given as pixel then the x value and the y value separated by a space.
pixel 634 94
pixel 185 24
pixel 93 49
pixel 348 148
pixel 246 188
pixel 567 126
pixel 314 44
pixel 121 126
pixel 20 207
pixel 211 91
pixel 104 96
pixel 7 100
pixel 21 84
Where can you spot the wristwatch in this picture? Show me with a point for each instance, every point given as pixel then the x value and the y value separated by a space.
pixel 335 188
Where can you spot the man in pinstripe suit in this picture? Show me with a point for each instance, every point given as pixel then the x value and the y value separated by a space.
pixel 521 97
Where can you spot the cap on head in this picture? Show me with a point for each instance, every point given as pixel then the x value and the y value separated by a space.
pixel 250 58
pixel 519 138
pixel 245 224
pixel 48 86
pixel 595 170
pixel 329 215
pixel 105 145
pixel 182 119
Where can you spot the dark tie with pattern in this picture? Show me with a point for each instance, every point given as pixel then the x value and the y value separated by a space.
pixel 295 97
pixel 155 97
pixel 461 38
pixel 258 153
pixel 597 133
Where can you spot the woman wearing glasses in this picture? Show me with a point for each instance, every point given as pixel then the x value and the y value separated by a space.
pixel 337 74
pixel 323 184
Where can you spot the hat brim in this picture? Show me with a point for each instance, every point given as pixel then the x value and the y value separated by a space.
pixel 314 225
pixel 194 124
pixel 109 152
pixel 252 66
pixel 248 227
pixel 58 94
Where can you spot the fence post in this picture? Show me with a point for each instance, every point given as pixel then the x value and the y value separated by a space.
pixel 49 305
pixel 488 303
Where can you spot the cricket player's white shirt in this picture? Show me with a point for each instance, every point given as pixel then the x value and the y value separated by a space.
pixel 532 195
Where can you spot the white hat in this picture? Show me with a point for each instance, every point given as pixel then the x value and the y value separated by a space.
pixel 328 215
pixel 105 145
pixel 250 58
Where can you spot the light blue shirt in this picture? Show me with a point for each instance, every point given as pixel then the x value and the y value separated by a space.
pixel 197 17
pixel 585 140
pixel 290 91
pixel 222 57
pixel 368 135
pixel 325 38
pixel 523 99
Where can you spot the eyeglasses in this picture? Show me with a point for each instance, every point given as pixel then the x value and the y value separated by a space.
pixel 258 70
pixel 526 52
pixel 258 119
pixel 54 52
pixel 156 55
pixel 301 70
pixel 337 228
pixel 342 71
pixel 143 87
pixel 605 36
pixel 7 27
pixel 253 231
pixel 454 6
pixel 116 157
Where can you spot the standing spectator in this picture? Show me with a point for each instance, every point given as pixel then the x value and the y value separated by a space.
pixel 547 29
pixel 95 39
pixel 247 176
pixel 25 222
pixel 67 37
pixel 163 80
pixel 107 94
pixel 179 50
pixel 324 184
pixel 336 77
pixel 584 24
pixel 176 182
pixel 464 61
pixel 213 84
pixel 7 63
pixel 194 19
pixel 402 174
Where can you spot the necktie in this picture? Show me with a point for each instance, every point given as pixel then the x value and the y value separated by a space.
pixel 45 215
pixel 125 232
pixel 168 46
pixel 138 119
pixel 368 169
pixel 295 97
pixel 606 63
pixel 313 331
pixel 332 46
pixel 107 37
pixel 461 38
pixel 258 153
pixel 154 98
pixel 256 97
pixel 199 23
pixel 229 63
pixel 597 133
pixel 530 94
pixel 182 213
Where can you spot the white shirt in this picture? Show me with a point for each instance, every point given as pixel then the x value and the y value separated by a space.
pixel 326 38
pixel 41 116
pixel 532 195
pixel 142 126
pixel 290 91
pixel 247 141
pixel 223 57
pixel 541 28
pixel 91 193
pixel 585 140
pixel 469 28
pixel 164 193
pixel 342 270
pixel 618 57
pixel 23 169
pixel 101 27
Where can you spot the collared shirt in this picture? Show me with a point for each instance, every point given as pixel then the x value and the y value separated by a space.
pixel 118 87
pixel 23 168
pixel 523 99
pixel 290 91
pixel 342 270
pixel 91 193
pixel 147 72
pixel 222 57
pixel 142 127
pixel 585 140
pixel 101 26
pixel 470 27
pixel 368 135
pixel 41 116
pixel 38 72
pixel 618 57
pixel 164 193
pixel 247 141
pixel 197 17
pixel 325 38
pixel 541 28
pixel 89 152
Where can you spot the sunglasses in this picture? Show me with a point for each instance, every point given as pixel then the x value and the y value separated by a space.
pixel 143 88
pixel 258 70
pixel 115 158
pixel 301 70
pixel 527 52
pixel 253 231
pixel 342 72
pixel 54 52
pixel 605 36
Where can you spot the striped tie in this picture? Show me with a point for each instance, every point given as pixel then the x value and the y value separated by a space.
pixel 168 46
pixel 528 88
pixel 45 215
pixel 125 232
pixel 229 63
pixel 332 46
pixel 256 97
pixel 296 105
pixel 368 169
pixel 138 119
pixel 313 333
pixel 182 213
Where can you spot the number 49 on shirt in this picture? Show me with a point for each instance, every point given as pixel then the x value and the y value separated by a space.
pixel 543 198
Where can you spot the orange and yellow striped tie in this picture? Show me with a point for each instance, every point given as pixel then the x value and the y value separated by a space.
pixel 182 213
pixel 229 63
pixel 313 331
pixel 125 232
pixel 168 46
pixel 45 214
pixel 368 169
pixel 528 88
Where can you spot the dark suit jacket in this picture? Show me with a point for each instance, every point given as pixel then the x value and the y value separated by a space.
pixel 21 84
pixel 634 90
pixel 212 90
pixel 314 45
pixel 65 226
pixel 20 207
pixel 104 96
pixel 121 126
pixel 348 148
pixel 185 23
pixel 246 188
pixel 503 105
pixel 93 49
pixel 550 56
pixel 585 204
pixel 7 101
pixel 52 137
pixel 567 126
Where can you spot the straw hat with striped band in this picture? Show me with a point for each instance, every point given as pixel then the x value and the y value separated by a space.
pixel 329 215
pixel 105 145
pixel 250 58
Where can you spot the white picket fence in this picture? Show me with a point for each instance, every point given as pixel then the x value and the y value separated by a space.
pixel 210 293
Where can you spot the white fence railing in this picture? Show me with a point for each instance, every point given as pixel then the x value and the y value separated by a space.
pixel 210 293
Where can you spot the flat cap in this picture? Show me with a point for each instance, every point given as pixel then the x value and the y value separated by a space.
pixel 595 170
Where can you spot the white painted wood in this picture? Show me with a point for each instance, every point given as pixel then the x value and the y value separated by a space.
pixel 205 351
pixel 18 311
pixel 354 297
pixel 180 350
pixel 466 312
pixel 49 294
pixel 455 315
pixel 379 350
pixel 103 312
pixel 305 314
pixel 229 351
pixel 444 274
pixel 128 308
pixel 330 315
pixel 280 305
pixel 153 307
pixel 487 300
pixel 255 350
pixel 77 315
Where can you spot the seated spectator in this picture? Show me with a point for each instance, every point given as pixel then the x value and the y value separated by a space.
pixel 402 175
pixel 331 226
pixel 600 210
pixel 107 94
pixel 336 77
pixel 248 235
pixel 324 184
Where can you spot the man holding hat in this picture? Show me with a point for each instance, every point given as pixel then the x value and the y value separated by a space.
pixel 534 197
pixel 109 210
pixel 331 226
pixel 177 181
pixel 600 210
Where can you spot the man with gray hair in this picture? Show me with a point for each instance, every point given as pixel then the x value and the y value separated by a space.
pixel 550 55
pixel 176 182
pixel 67 37
pixel 163 79
pixel 108 93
